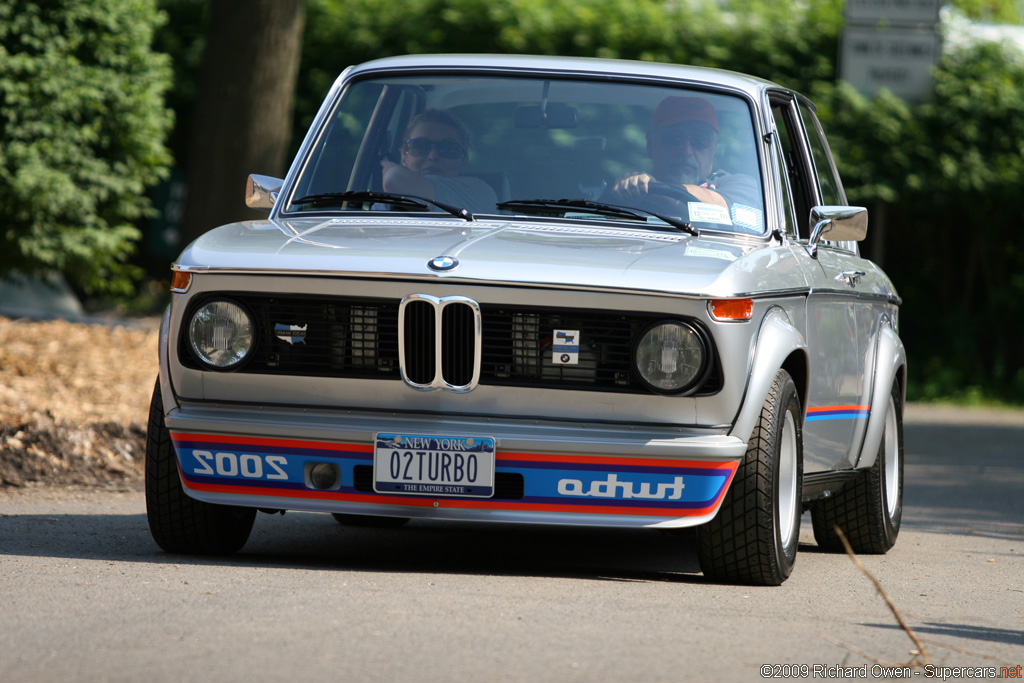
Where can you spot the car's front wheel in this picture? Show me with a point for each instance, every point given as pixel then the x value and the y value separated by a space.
pixel 754 537
pixel 868 509
pixel 181 524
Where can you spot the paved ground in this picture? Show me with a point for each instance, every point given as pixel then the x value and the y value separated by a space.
pixel 85 594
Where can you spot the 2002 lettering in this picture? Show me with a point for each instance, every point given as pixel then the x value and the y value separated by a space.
pixel 248 465
pixel 451 467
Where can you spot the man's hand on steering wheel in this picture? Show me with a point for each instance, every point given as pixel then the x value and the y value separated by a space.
pixel 637 187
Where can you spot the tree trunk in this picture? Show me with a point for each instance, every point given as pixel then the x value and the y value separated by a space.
pixel 242 121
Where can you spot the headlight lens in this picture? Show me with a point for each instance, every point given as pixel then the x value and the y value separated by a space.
pixel 221 334
pixel 671 357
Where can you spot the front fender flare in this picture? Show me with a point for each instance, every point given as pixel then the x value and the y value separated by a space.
pixel 777 340
pixel 164 353
pixel 890 364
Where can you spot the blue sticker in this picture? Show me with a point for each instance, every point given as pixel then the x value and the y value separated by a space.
pixel 747 217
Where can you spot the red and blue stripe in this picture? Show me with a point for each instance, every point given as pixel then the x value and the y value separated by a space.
pixel 845 412
pixel 705 481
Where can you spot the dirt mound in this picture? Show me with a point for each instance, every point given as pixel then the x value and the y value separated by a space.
pixel 74 401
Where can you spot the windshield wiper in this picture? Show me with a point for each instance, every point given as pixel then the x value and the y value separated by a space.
pixel 599 208
pixel 369 196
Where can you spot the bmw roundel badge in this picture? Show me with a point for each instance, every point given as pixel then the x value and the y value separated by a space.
pixel 442 263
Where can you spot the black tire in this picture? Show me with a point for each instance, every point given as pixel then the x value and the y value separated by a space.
pixel 754 537
pixel 868 509
pixel 369 521
pixel 181 524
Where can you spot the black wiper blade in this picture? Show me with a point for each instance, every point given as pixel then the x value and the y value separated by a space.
pixel 370 196
pixel 561 204
pixel 599 208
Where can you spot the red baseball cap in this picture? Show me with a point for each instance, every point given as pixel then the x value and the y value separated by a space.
pixel 676 109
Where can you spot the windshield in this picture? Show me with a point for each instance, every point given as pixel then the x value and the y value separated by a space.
pixel 486 145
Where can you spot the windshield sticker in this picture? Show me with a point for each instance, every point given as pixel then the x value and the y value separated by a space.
pixel 711 253
pixel 701 212
pixel 565 347
pixel 747 217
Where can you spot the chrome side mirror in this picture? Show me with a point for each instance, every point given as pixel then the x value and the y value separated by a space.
pixel 837 224
pixel 261 191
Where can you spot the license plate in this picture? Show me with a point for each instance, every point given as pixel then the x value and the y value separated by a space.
pixel 417 464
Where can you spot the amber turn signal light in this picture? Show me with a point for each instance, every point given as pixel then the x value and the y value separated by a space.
pixel 731 309
pixel 180 281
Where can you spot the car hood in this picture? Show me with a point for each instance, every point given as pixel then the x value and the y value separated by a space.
pixel 513 251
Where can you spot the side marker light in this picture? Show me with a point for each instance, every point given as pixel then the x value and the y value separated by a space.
pixel 731 309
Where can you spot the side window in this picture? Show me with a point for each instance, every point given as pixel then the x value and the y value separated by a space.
pixel 796 170
pixel 828 178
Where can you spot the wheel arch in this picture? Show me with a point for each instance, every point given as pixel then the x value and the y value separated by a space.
pixel 164 353
pixel 780 345
pixel 890 367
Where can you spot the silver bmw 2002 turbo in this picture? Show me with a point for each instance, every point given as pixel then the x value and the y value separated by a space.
pixel 542 290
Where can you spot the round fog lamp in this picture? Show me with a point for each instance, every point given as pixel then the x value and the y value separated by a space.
pixel 221 334
pixel 671 357
pixel 324 475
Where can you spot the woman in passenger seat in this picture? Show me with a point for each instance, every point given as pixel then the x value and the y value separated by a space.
pixel 434 154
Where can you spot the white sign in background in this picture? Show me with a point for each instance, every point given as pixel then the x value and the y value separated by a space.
pixel 898 59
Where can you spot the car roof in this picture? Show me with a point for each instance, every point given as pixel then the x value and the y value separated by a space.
pixel 578 66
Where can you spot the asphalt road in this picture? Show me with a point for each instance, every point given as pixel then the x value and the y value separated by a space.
pixel 85 594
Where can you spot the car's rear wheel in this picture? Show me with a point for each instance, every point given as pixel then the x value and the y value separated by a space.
pixel 868 509
pixel 370 521
pixel 181 524
pixel 754 537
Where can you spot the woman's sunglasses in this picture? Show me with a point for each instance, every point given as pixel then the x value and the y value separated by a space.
pixel 446 149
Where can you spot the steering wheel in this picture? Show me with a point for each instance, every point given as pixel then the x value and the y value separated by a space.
pixel 679 196
pixel 672 192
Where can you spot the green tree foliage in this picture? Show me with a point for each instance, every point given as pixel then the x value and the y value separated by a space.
pixel 82 129
pixel 995 11
pixel 788 40
pixel 959 211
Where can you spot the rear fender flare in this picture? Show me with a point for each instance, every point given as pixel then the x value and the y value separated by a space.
pixel 890 365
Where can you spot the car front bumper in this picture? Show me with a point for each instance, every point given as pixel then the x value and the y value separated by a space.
pixel 547 471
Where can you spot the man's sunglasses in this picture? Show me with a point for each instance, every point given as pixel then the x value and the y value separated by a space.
pixel 446 149
pixel 698 139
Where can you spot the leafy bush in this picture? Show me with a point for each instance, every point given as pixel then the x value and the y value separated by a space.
pixel 82 129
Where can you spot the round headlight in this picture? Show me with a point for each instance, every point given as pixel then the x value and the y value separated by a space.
pixel 671 357
pixel 221 334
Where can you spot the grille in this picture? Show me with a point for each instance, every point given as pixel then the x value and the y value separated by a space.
pixel 360 339
pixel 419 338
pixel 518 348
pixel 317 337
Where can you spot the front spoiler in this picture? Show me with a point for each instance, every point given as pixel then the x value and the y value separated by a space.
pixel 571 473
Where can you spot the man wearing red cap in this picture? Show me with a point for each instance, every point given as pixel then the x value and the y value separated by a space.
pixel 681 142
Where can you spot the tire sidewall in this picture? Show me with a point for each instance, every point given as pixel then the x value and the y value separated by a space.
pixel 891 523
pixel 789 403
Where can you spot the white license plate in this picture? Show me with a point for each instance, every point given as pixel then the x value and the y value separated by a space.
pixel 418 464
